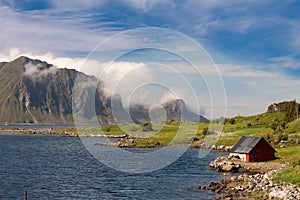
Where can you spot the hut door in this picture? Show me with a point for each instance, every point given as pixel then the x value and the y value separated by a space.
pixel 247 157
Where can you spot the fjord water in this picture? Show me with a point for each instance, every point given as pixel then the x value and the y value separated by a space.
pixel 57 167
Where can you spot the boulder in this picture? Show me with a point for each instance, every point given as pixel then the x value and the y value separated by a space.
pixel 277 195
pixel 227 168
pixel 221 165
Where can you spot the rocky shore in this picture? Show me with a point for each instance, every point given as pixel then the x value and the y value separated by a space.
pixel 40 131
pixel 59 132
pixel 257 185
pixel 221 164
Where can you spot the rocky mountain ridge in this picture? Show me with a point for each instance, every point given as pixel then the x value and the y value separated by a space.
pixel 33 91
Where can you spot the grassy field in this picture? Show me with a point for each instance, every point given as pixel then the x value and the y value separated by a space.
pixel 165 134
pixel 289 175
pixel 260 125
pixel 230 136
pixel 290 154
pixel 184 133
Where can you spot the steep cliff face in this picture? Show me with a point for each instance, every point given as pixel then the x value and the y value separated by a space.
pixel 174 110
pixel 32 91
pixel 282 106
pixel 37 92
pixel 11 85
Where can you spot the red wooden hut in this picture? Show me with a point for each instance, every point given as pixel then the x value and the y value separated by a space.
pixel 253 149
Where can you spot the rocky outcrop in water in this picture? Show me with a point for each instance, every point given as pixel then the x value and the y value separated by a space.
pixel 222 165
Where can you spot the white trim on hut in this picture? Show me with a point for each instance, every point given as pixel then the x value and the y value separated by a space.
pixel 240 156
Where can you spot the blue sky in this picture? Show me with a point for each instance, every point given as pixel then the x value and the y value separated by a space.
pixel 255 44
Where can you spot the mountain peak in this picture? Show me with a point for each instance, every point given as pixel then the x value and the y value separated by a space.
pixel 22 60
pixel 33 91
pixel 179 103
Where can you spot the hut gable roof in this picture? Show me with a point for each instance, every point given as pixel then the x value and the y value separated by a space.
pixel 246 144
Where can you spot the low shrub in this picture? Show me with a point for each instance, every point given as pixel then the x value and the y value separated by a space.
pixel 105 128
pixel 283 137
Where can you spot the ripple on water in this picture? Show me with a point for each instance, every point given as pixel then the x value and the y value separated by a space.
pixel 56 167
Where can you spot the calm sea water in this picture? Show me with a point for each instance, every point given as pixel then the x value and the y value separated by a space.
pixel 57 167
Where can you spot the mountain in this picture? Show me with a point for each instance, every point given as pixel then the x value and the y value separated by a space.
pixel 174 110
pixel 177 109
pixel 33 91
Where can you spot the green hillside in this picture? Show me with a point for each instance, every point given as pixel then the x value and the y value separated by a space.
pixel 270 125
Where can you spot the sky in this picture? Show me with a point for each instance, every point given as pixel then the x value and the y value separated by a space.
pixel 232 57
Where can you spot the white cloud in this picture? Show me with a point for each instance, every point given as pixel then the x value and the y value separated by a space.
pixel 252 83
pixel 167 96
pixel 204 16
pixel 250 91
pixel 288 62
pixel 31 69
pixel 193 103
pixel 37 71
pixel 127 79
pixel 228 70
pixel 293 37
pixel 176 93
pixel 118 77
pixel 41 32
pixel 78 4
pixel 147 5
pixel 61 62
pixel 235 24
pixel 243 25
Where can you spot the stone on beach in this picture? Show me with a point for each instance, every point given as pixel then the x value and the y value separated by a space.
pixel 243 186
pixel 221 165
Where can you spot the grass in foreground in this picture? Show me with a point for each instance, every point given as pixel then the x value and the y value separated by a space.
pixel 289 175
pixel 290 154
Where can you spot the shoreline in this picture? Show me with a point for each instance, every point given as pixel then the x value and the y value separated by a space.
pixel 72 134
pixel 129 144
pixel 56 132
pixel 47 131
pixel 256 182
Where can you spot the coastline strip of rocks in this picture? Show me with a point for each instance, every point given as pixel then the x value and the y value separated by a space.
pixel 60 132
pixel 259 185
pixel 222 165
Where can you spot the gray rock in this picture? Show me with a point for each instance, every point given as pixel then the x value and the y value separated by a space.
pixel 277 195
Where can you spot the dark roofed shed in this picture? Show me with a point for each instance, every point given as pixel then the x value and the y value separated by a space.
pixel 253 149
